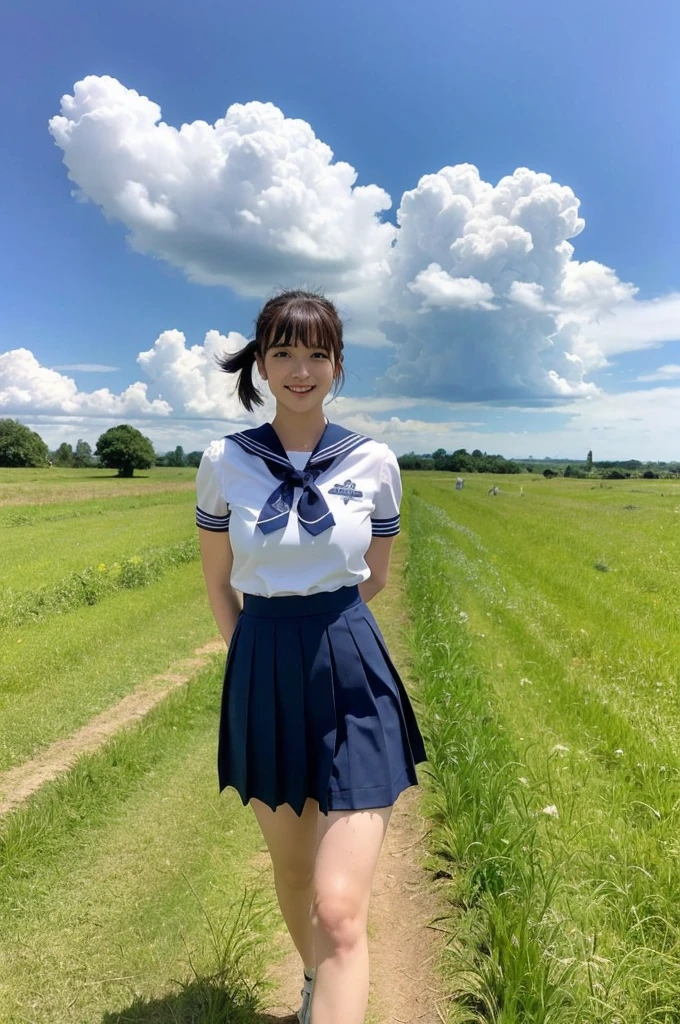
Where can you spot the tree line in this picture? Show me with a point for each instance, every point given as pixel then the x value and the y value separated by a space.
pixel 462 461
pixel 123 448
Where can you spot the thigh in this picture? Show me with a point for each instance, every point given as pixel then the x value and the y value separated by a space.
pixel 291 840
pixel 349 845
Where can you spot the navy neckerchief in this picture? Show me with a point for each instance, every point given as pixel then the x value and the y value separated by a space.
pixel 312 510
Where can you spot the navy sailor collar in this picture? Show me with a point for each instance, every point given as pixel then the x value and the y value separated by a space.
pixel 315 517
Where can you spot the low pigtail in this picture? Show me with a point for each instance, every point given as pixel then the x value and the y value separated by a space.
pixel 242 362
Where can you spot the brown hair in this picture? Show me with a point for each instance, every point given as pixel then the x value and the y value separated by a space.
pixel 307 316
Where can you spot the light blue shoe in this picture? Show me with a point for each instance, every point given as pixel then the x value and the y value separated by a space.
pixel 304 1014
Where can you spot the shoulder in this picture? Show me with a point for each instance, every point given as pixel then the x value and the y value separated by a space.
pixel 222 450
pixel 378 449
pixel 214 459
pixel 382 453
pixel 215 450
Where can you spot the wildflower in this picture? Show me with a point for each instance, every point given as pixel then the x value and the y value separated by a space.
pixel 463 616
pixel 559 748
pixel 101 567
pixel 551 810
pixel 619 753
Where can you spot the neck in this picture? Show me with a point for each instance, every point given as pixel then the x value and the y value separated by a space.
pixel 298 431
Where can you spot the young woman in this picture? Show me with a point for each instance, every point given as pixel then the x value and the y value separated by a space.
pixel 316 732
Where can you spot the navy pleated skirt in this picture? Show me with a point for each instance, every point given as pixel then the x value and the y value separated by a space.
pixel 312 706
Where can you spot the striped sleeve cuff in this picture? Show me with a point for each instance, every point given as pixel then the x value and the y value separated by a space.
pixel 385 527
pixel 218 524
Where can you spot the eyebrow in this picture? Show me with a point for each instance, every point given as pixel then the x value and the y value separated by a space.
pixel 283 344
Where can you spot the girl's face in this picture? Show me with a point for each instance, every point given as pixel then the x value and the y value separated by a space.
pixel 299 377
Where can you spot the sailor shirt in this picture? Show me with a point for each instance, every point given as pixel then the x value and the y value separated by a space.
pixel 278 548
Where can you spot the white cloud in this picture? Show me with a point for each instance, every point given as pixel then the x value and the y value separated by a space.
pixel 632 326
pixel 495 266
pixel 477 288
pixel 26 386
pixel 189 378
pixel 196 405
pixel 245 202
pixel 671 371
pixel 440 290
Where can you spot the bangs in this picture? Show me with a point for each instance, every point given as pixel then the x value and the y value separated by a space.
pixel 308 324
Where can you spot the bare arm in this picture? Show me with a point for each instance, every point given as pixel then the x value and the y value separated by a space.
pixel 377 559
pixel 217 560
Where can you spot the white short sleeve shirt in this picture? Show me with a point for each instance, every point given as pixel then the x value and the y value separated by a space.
pixel 363 491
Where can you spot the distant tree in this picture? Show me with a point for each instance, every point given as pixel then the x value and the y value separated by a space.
pixel 549 472
pixel 194 459
pixel 175 458
pixel 63 456
pixel 477 454
pixel 126 449
pixel 82 457
pixel 650 475
pixel 529 469
pixel 589 462
pixel 615 474
pixel 21 446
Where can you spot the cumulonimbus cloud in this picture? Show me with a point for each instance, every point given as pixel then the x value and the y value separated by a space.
pixel 477 287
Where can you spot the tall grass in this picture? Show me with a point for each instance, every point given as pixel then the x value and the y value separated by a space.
pixel 92 584
pixel 560 855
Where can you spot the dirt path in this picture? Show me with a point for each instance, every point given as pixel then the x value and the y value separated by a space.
pixel 403 949
pixel 17 784
pixel 404 945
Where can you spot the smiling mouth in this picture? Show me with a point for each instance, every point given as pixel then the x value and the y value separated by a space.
pixel 301 390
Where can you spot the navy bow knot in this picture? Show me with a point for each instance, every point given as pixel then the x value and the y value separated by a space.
pixel 313 512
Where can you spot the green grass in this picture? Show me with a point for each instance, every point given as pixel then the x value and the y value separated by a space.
pixel 45 486
pixel 45 544
pixel 557 782
pixel 126 880
pixel 59 672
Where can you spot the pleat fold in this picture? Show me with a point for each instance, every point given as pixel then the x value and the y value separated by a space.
pixel 312 706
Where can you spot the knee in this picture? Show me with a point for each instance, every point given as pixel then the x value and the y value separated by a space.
pixel 338 912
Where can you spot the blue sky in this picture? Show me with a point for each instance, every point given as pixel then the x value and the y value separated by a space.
pixel 485 331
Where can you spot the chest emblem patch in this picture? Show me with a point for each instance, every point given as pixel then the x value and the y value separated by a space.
pixel 347 490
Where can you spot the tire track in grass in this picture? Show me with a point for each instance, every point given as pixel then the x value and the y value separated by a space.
pixel 18 784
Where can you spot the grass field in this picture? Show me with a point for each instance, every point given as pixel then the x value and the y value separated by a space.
pixel 544 639
pixel 130 892
pixel 545 634
pixel 128 888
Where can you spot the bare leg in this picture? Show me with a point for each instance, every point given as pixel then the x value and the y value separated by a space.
pixel 347 855
pixel 292 845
